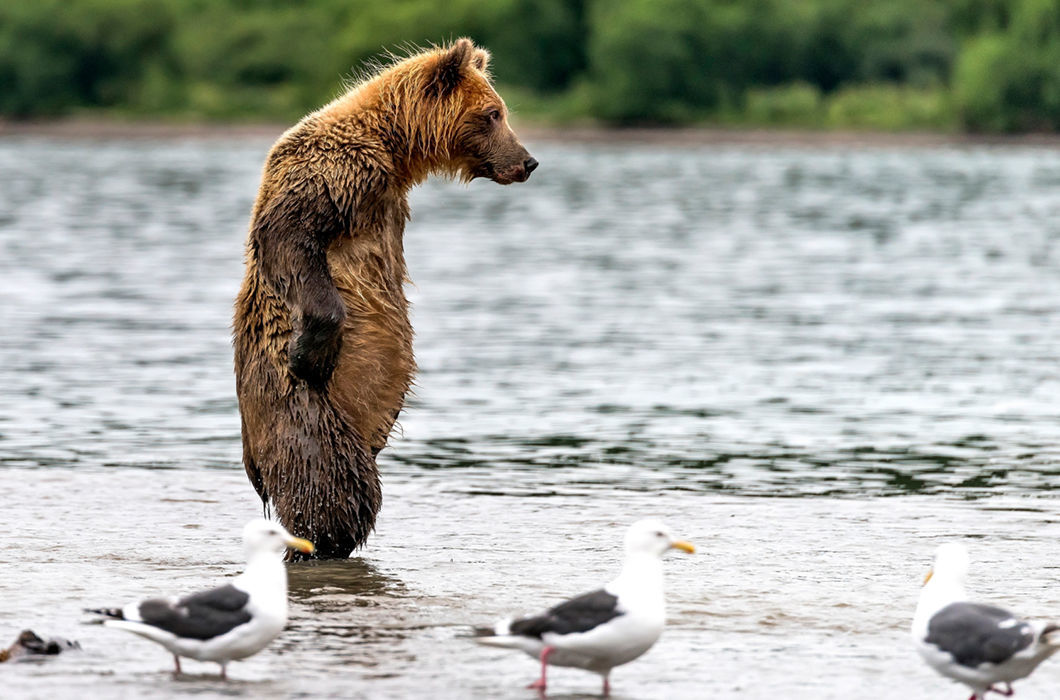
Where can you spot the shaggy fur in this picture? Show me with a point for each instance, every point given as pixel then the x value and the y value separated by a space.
pixel 323 344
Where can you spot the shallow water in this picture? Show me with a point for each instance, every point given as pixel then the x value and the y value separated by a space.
pixel 815 364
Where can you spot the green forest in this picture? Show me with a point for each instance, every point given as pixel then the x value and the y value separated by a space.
pixel 943 65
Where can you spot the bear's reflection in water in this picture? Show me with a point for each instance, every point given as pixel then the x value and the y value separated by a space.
pixel 338 601
pixel 311 580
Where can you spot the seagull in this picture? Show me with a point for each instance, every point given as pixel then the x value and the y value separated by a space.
pixel 605 628
pixel 226 623
pixel 979 645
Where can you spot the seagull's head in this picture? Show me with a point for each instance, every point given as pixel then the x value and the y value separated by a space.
pixel 266 536
pixel 653 538
pixel 951 564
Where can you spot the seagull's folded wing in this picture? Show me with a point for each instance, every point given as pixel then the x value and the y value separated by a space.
pixel 579 614
pixel 203 615
pixel 975 634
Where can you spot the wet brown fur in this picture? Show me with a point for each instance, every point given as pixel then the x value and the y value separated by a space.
pixel 323 344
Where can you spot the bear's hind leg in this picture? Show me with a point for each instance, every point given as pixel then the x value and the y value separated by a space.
pixel 322 477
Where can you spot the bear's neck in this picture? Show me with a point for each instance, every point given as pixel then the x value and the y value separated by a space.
pixel 416 141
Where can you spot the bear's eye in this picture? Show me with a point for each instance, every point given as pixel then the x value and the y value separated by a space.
pixel 494 115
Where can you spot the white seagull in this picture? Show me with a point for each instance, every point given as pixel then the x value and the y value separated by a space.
pixel 607 627
pixel 226 623
pixel 979 645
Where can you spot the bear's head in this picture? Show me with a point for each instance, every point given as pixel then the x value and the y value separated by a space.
pixel 475 136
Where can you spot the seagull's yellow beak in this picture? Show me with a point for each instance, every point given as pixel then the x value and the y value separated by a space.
pixel 301 545
pixel 683 546
pixel 927 578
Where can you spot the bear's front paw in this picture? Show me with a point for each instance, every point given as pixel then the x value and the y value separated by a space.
pixel 314 350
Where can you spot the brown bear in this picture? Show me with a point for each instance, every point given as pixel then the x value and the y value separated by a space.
pixel 323 344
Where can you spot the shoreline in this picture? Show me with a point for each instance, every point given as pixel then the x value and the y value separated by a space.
pixel 104 129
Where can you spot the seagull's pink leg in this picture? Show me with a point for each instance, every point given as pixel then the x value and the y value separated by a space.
pixel 1007 692
pixel 607 687
pixel 224 672
pixel 540 683
pixel 176 662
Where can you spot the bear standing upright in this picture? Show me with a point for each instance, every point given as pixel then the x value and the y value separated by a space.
pixel 323 343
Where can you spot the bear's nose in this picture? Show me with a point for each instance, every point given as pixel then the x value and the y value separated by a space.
pixel 530 164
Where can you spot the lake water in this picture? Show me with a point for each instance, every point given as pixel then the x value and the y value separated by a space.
pixel 815 363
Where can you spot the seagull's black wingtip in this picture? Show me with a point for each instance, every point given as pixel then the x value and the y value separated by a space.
pixel 111 613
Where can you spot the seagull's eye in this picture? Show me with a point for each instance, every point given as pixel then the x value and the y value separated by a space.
pixel 660 534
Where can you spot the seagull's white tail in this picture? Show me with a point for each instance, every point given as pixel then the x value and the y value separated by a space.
pixel 147 631
pixel 500 635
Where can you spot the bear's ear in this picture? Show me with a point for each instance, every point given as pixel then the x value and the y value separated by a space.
pixel 447 72
pixel 480 59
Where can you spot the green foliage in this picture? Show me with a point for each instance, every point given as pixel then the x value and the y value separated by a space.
pixel 648 61
pixel 536 43
pixel 889 108
pixel 677 60
pixel 897 44
pixel 989 65
pixel 1010 80
pixel 795 104
pixel 1003 84
pixel 55 54
pixel 1036 22
pixel 260 61
pixel 570 106
pixel 879 107
pixel 971 17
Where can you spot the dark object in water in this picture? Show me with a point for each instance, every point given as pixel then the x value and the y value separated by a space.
pixel 29 644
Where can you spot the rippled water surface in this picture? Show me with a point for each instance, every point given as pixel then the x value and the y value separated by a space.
pixel 816 364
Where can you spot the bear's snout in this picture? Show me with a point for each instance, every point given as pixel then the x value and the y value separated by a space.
pixel 517 173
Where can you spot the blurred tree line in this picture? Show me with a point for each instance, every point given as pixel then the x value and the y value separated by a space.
pixel 982 65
